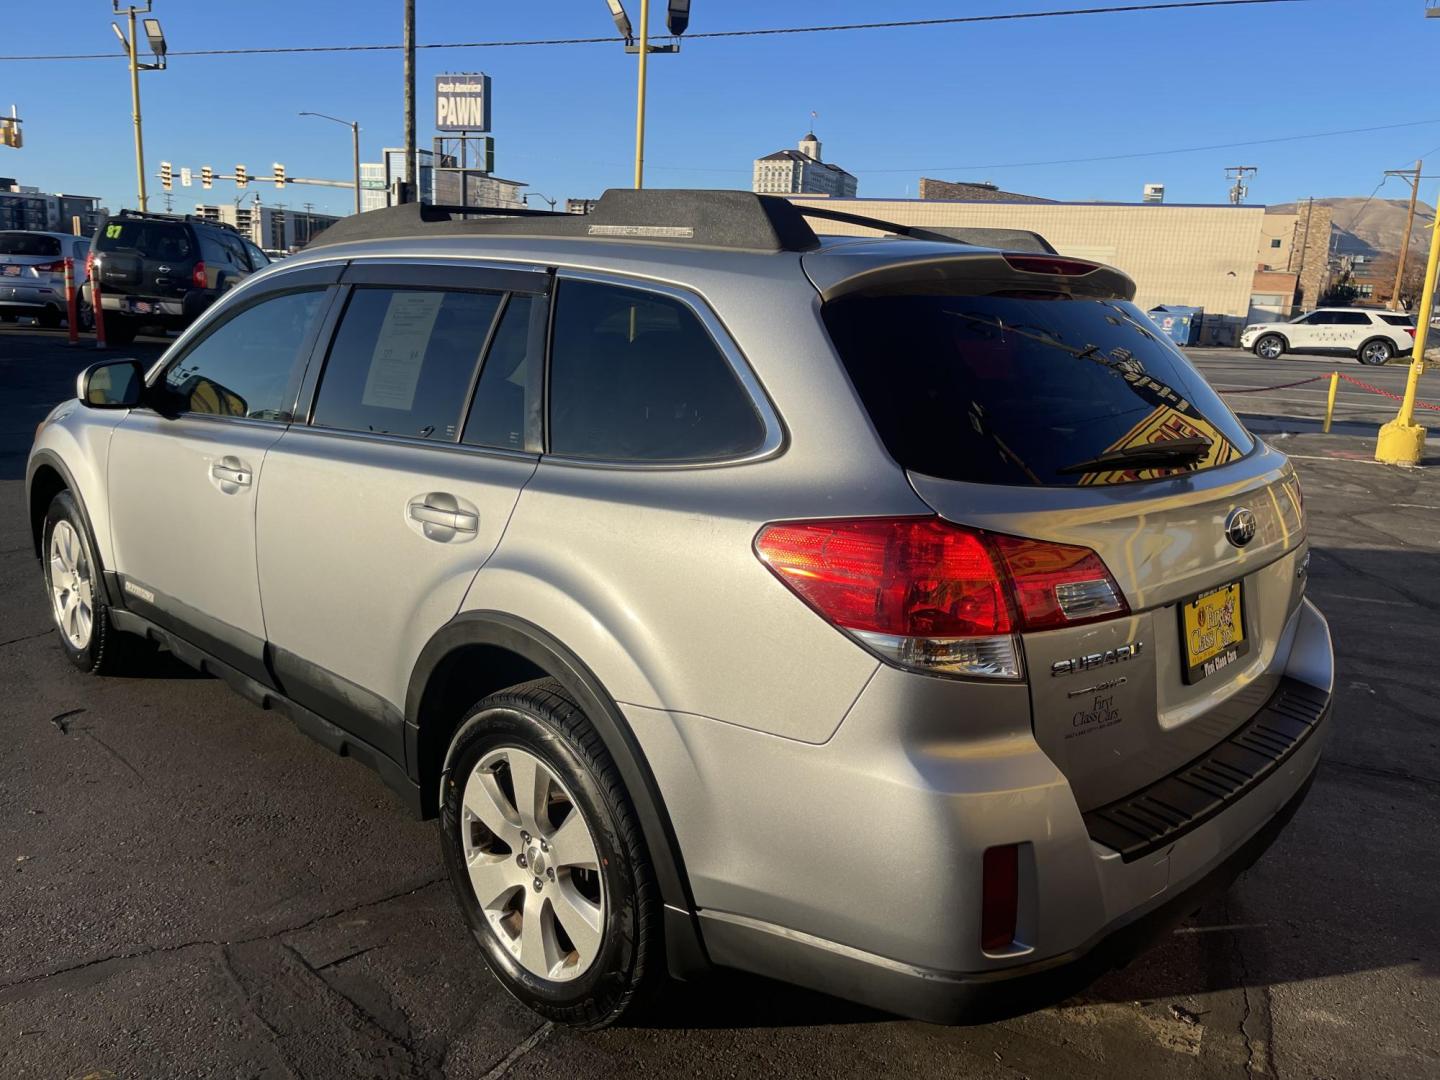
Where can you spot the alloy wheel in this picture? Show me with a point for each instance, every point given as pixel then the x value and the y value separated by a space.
pixel 1271 348
pixel 72 590
pixel 533 864
pixel 1375 353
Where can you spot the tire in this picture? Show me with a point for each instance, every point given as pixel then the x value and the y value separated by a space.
pixel 86 632
pixel 120 330
pixel 1375 352
pixel 591 979
pixel 49 318
pixel 1270 347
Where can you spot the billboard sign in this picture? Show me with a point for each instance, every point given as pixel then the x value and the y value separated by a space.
pixel 462 102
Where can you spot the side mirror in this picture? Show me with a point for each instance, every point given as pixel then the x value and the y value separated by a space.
pixel 111 384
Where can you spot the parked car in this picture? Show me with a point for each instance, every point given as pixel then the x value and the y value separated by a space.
pixel 163 270
pixel 1372 337
pixel 905 619
pixel 32 274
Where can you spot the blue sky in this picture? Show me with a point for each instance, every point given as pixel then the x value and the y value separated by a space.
pixel 960 103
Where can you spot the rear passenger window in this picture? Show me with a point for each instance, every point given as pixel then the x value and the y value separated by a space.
pixel 247 366
pixel 497 416
pixel 634 376
pixel 1351 318
pixel 403 361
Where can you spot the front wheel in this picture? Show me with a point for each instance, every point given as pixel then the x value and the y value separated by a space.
pixel 1376 352
pixel 546 857
pixel 1270 347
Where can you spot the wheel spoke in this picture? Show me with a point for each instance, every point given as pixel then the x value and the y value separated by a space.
pixel 536 952
pixel 571 845
pixel 69 614
pixel 531 781
pixel 581 920
pixel 484 799
pixel 494 877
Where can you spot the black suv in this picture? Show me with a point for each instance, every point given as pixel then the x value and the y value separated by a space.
pixel 163 270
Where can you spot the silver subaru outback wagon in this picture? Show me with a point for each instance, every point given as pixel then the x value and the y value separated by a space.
pixel 901 617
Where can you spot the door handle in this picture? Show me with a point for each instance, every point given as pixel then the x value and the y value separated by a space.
pixel 228 475
pixel 459 520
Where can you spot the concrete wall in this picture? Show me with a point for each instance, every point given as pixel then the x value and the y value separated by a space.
pixel 1201 256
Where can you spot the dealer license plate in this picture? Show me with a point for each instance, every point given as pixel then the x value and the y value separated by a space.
pixel 1212 628
pixel 9 270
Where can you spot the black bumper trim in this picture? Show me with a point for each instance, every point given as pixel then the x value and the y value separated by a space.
pixel 1155 816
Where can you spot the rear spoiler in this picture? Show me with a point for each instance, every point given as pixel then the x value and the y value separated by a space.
pixel 980 272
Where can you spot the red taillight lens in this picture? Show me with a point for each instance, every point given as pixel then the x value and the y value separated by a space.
pixel 57 267
pixel 1410 330
pixel 197 276
pixel 937 597
pixel 1000 897
pixel 913 577
pixel 1050 264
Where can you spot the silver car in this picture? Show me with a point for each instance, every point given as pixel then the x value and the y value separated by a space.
pixel 899 617
pixel 32 275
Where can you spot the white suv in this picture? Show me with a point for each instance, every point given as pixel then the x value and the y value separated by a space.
pixel 1372 337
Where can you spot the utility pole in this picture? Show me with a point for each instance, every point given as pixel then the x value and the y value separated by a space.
pixel 1238 173
pixel 640 95
pixel 677 20
pixel 157 45
pixel 411 171
pixel 1411 177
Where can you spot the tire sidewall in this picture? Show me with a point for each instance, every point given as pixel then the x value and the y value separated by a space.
pixel 64 508
pixel 1390 354
pixel 610 975
pixel 1270 337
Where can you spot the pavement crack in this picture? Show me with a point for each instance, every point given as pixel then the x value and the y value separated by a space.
pixel 116 755
pixel 24 637
pixel 507 1063
pixel 347 957
pixel 1375 770
pixel 1253 1067
pixel 62 720
pixel 156 950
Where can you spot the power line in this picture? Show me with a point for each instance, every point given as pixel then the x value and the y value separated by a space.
pixel 711 34
pixel 1157 153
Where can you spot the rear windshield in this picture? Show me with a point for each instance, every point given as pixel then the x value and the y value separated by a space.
pixel 158 239
pixel 23 243
pixel 1022 390
pixel 1399 320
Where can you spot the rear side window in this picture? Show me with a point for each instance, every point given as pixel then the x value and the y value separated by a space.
pixel 248 365
pixel 157 239
pixel 21 243
pixel 497 415
pixel 635 376
pixel 1350 318
pixel 403 361
pixel 1398 320
pixel 1020 390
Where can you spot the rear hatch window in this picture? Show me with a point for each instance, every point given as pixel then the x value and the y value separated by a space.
pixel 1033 389
pixel 30 244
pixel 156 239
pixel 1399 320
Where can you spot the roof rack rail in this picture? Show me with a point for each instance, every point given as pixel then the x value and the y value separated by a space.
pixel 152 215
pixel 735 220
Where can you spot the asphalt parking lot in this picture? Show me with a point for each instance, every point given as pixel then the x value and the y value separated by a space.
pixel 191 888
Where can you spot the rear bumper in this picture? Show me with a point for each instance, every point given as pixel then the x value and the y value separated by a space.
pixel 29 297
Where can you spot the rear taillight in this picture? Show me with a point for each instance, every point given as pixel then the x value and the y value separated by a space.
pixel 1050 264
pixel 935 597
pixel 56 267
pixel 197 276
pixel 1410 330
pixel 1000 897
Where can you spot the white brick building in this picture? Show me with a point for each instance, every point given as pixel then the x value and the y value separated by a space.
pixel 801 172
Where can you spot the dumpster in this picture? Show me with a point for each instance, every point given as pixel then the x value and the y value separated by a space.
pixel 1179 323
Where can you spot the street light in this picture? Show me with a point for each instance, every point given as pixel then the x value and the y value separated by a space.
pixel 354 126
pixel 156 38
pixel 536 195
pixel 677 19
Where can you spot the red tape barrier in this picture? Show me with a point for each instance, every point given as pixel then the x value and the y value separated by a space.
pixel 1262 389
pixel 1318 378
pixel 1386 393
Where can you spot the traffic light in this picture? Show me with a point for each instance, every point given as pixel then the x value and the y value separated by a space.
pixel 207 177
pixel 167 177
pixel 10 133
pixel 242 177
pixel 279 175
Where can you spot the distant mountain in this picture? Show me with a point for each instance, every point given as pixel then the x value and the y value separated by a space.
pixel 1372 226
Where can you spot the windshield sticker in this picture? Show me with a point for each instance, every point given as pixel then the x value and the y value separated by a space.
pixel 400 349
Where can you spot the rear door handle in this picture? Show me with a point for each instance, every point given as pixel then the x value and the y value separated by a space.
pixel 228 475
pixel 459 520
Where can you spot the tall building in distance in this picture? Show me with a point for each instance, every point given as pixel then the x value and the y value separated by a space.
pixel 801 172
pixel 274 228
pixel 440 181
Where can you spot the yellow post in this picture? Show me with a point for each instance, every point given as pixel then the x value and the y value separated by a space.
pixel 1330 403
pixel 1402 441
pixel 135 112
pixel 640 96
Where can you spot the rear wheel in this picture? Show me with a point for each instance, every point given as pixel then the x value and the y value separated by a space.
pixel 545 854
pixel 49 318
pixel 1270 347
pixel 1376 352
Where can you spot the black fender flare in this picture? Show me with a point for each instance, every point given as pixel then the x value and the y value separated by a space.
pixel 52 460
pixel 684 950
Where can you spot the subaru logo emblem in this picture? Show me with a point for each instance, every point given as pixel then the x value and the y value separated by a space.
pixel 1240 527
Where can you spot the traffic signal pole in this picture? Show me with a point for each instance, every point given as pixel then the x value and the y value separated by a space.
pixel 640 95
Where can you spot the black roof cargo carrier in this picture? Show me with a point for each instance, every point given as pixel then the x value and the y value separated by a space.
pixel 736 220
